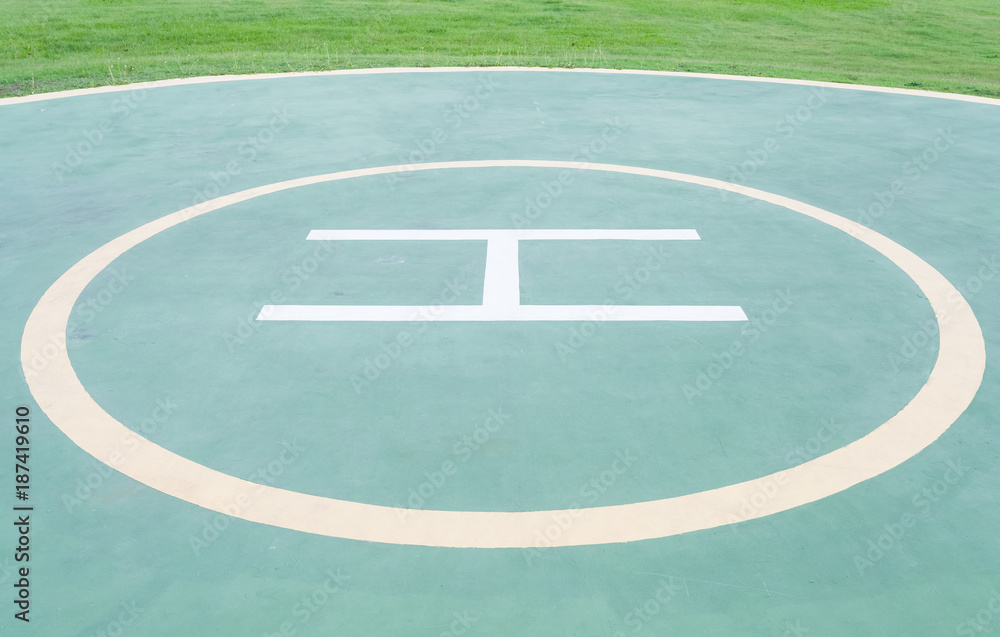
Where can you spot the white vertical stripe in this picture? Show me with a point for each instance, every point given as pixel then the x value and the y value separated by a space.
pixel 502 284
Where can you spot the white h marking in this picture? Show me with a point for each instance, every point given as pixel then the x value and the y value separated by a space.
pixel 501 285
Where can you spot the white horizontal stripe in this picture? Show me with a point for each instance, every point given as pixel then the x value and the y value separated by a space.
pixel 396 313
pixel 570 234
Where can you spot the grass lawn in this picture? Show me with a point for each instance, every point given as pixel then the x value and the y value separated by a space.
pixel 944 45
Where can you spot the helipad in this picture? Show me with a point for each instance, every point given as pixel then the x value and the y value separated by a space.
pixel 458 347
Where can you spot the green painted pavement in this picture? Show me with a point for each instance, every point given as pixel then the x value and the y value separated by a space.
pixel 165 332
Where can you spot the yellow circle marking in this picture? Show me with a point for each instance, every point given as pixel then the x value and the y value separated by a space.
pixel 953 383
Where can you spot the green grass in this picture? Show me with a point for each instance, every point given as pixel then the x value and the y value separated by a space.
pixel 944 45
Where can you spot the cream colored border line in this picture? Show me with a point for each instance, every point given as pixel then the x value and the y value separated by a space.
pixel 469 69
pixel 949 390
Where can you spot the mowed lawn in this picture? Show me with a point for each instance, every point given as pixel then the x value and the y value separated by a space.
pixel 944 45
